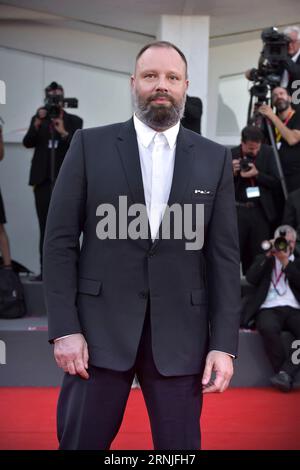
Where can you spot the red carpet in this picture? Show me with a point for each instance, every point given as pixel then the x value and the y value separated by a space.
pixel 236 419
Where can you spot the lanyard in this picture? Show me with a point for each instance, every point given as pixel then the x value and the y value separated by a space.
pixel 277 279
pixel 277 133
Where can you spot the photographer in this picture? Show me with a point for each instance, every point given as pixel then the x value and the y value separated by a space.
pixel 4 244
pixel 291 65
pixel 287 133
pixel 255 178
pixel 49 121
pixel 279 62
pixel 276 302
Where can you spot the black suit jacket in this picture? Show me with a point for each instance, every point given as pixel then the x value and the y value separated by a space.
pixel 259 275
pixel 267 179
pixel 291 215
pixel 39 140
pixel 101 288
pixel 293 69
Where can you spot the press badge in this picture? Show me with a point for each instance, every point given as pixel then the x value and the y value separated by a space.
pixel 252 191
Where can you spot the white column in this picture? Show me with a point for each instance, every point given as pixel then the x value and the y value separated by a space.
pixel 191 35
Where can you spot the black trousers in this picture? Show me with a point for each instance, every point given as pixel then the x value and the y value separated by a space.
pixel 270 323
pixel 253 229
pixel 90 412
pixel 42 196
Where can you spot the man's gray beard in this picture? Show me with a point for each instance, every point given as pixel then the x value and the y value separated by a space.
pixel 158 117
pixel 282 105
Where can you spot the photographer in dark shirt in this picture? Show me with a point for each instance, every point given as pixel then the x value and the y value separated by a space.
pixel 287 133
pixel 255 179
pixel 48 121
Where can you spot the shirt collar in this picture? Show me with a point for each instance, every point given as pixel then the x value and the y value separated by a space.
pixel 291 258
pixel 146 134
pixel 295 57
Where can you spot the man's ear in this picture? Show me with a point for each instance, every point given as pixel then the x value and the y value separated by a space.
pixel 132 81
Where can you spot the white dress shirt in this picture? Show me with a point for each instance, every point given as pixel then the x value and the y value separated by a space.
pixel 285 76
pixel 157 157
pixel 282 295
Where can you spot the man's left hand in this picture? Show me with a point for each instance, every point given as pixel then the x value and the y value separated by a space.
pixel 221 364
pixel 250 173
pixel 59 126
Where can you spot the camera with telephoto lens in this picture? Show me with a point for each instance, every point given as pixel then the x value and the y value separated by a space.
pixel 270 64
pixel 279 244
pixel 244 163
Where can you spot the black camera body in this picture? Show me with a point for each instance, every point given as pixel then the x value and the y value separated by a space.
pixel 275 46
pixel 54 103
pixel 280 243
pixel 270 64
pixel 245 163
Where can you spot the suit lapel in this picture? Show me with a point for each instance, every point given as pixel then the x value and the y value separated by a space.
pixel 184 159
pixel 130 159
pixel 129 153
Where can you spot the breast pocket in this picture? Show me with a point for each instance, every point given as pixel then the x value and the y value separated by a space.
pixel 201 199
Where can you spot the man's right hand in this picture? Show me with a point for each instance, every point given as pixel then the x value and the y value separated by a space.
pixel 71 354
pixel 40 115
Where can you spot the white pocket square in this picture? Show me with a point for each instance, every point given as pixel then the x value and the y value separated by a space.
pixel 202 191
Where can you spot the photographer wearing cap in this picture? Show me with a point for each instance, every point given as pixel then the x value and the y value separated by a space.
pixel 255 177
pixel 276 275
pixel 51 128
pixel 287 133
pixel 4 243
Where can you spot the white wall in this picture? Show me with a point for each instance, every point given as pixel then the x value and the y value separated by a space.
pixel 71 45
pixel 227 64
pixel 95 69
pixel 104 96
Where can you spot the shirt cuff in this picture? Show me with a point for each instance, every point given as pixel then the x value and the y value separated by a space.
pixel 228 354
pixel 61 337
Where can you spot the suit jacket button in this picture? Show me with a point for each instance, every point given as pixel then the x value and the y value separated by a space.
pixel 143 295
